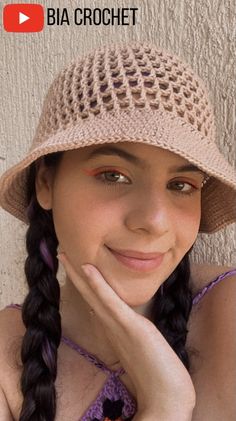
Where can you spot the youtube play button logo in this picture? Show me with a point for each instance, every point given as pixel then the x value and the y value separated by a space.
pixel 23 17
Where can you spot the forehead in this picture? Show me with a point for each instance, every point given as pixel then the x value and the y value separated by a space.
pixel 139 154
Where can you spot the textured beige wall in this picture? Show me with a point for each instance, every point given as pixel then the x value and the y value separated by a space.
pixel 203 32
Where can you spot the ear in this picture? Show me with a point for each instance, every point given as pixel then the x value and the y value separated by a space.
pixel 44 184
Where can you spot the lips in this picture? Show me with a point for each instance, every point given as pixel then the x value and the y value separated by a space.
pixel 137 254
pixel 137 263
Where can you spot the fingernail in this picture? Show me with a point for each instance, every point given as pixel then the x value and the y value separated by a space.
pixel 87 269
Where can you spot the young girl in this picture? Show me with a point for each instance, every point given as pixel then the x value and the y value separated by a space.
pixel 121 176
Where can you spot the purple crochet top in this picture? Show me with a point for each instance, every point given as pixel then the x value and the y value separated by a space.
pixel 114 401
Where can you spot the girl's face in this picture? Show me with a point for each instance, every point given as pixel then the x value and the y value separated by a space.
pixel 131 197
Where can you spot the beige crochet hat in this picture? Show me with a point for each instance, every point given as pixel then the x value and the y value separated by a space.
pixel 133 92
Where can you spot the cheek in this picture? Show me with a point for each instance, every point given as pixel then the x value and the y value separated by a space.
pixel 83 223
pixel 187 224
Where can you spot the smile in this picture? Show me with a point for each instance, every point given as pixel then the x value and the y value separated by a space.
pixel 143 265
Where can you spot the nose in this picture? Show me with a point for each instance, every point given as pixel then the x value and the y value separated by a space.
pixel 150 212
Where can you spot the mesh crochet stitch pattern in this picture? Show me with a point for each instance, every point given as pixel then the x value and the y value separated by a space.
pixel 135 92
pixel 126 78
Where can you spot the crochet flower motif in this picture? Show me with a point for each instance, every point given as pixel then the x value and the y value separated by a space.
pixel 112 411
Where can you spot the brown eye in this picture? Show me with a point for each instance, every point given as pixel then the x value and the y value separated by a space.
pixel 112 177
pixel 182 187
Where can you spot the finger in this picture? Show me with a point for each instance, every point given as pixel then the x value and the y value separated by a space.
pixel 102 289
pixel 81 281
pixel 97 292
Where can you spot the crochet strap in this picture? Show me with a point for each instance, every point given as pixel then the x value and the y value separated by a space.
pixel 90 357
pixel 208 287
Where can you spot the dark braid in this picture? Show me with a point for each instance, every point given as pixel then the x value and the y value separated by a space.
pixel 171 308
pixel 40 312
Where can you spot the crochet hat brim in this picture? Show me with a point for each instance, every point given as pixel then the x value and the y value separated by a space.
pixel 151 127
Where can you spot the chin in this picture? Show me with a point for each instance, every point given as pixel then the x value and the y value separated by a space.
pixel 137 304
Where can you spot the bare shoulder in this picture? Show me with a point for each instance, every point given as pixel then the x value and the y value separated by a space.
pixel 11 327
pixel 12 331
pixel 216 308
pixel 11 324
pixel 203 273
pixel 212 333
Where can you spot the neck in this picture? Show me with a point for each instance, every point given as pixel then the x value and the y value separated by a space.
pixel 85 328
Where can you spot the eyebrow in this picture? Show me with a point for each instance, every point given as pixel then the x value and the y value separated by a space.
pixel 111 150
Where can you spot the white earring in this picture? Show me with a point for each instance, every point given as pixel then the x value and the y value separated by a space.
pixel 205 180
